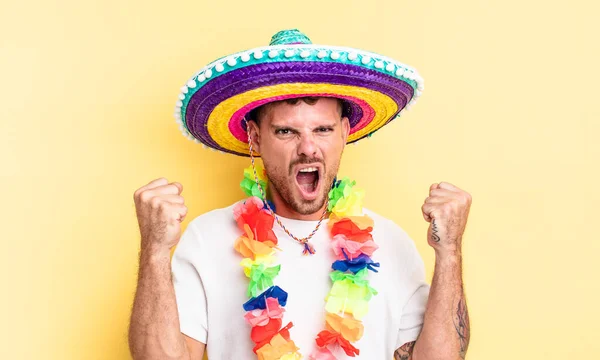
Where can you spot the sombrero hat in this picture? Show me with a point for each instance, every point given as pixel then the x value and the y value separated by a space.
pixel 213 104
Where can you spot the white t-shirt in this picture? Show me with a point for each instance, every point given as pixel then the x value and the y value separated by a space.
pixel 210 287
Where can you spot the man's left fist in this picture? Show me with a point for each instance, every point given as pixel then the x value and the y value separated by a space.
pixel 447 210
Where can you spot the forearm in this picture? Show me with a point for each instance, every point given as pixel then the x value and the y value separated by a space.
pixel 154 331
pixel 446 330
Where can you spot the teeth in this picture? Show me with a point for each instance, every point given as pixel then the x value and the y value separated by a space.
pixel 311 169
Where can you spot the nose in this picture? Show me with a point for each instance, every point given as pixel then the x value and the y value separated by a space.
pixel 307 146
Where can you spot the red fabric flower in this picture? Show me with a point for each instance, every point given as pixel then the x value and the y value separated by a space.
pixel 253 213
pixel 269 331
pixel 261 334
pixel 351 231
pixel 327 337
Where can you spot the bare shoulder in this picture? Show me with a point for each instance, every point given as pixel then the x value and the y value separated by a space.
pixel 405 351
pixel 195 348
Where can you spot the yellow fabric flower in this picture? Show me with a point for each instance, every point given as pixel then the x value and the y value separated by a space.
pixel 250 248
pixel 247 263
pixel 350 205
pixel 350 328
pixel 348 297
pixel 292 356
pixel 276 348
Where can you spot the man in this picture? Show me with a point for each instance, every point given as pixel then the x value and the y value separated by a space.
pixel 300 131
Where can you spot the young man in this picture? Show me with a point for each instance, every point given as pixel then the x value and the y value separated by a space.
pixel 305 111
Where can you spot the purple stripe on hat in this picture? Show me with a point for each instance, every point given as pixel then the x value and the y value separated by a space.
pixel 235 82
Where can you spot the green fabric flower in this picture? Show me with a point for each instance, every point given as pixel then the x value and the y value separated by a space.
pixel 261 278
pixel 341 190
pixel 249 185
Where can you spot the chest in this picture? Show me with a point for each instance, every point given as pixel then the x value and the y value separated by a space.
pixel 307 282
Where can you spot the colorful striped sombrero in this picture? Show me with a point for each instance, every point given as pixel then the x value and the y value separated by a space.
pixel 213 104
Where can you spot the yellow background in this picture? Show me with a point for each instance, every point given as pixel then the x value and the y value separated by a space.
pixel 509 113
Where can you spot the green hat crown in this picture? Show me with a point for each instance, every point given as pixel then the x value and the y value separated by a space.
pixel 289 37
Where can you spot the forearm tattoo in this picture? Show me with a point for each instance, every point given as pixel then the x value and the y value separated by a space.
pixel 462 326
pixel 404 352
pixel 434 231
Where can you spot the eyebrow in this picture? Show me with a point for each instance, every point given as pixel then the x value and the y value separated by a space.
pixel 333 124
pixel 278 127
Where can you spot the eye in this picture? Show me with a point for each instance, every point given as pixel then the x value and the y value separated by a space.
pixel 324 129
pixel 282 131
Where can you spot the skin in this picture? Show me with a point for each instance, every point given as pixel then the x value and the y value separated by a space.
pixel 312 135
pixel 290 137
pixel 154 327
pixel 446 329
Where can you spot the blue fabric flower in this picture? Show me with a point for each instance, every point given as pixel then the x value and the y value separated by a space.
pixel 355 265
pixel 260 301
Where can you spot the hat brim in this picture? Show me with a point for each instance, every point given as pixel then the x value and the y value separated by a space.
pixel 213 104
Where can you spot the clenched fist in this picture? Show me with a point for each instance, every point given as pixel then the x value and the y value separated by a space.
pixel 447 210
pixel 160 209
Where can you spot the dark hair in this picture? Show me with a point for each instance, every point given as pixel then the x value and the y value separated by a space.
pixel 255 114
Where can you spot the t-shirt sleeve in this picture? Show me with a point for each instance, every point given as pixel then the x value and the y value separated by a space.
pixel 413 311
pixel 189 289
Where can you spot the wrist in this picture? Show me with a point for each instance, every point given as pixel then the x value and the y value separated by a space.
pixel 155 252
pixel 155 263
pixel 448 256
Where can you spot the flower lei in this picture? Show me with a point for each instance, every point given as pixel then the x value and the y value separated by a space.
pixel 347 302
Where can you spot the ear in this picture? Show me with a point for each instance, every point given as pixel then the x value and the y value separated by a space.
pixel 345 128
pixel 254 133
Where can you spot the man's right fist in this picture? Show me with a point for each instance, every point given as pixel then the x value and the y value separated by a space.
pixel 160 209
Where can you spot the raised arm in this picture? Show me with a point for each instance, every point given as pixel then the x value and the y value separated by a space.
pixel 446 330
pixel 154 331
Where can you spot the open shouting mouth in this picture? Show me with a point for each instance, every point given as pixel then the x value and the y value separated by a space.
pixel 308 180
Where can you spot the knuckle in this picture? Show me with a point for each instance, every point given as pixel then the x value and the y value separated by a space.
pixel 145 196
pixel 155 202
pixel 163 206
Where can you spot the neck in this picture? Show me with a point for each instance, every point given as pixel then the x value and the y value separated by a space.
pixel 282 208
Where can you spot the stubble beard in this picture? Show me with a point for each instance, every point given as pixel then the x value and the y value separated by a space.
pixel 283 185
